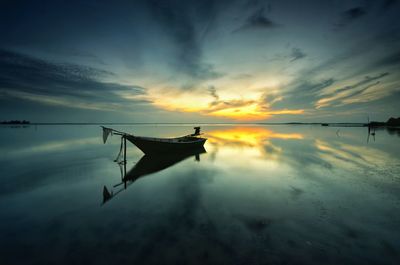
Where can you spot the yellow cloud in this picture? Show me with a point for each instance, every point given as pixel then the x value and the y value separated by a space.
pixel 242 109
pixel 250 111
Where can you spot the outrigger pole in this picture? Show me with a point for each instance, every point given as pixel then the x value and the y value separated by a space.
pixel 108 131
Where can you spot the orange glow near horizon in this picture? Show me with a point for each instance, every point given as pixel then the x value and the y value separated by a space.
pixel 248 136
pixel 249 110
pixel 228 101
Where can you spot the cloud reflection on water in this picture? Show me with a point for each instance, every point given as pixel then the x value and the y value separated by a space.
pixel 248 136
pixel 256 153
pixel 250 142
pixel 271 194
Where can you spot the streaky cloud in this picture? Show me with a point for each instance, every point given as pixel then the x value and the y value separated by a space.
pixel 350 15
pixel 30 78
pixel 213 92
pixel 301 94
pixel 257 21
pixel 386 4
pixel 354 13
pixel 342 95
pixel 241 76
pixel 182 22
pixel 390 60
pixel 366 80
pixel 297 54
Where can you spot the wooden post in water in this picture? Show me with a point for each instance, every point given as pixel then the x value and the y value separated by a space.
pixel 125 175
pixel 124 161
pixel 124 149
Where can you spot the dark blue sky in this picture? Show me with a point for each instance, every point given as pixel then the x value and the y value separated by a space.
pixel 199 61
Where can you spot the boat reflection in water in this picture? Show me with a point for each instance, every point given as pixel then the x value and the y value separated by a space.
pixel 147 165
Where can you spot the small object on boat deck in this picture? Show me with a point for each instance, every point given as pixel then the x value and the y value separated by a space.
pixel 196 131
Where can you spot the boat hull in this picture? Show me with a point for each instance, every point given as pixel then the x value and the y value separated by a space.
pixel 162 146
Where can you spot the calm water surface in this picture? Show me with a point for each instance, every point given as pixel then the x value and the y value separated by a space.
pixel 259 195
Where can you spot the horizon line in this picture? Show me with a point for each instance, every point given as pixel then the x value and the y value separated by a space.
pixel 130 123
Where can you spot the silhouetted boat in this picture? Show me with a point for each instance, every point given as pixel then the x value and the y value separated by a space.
pixel 152 145
pixel 166 145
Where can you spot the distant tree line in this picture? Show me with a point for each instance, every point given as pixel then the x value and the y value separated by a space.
pixel 393 122
pixel 15 122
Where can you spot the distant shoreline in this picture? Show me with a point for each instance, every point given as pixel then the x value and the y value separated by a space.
pixel 390 123
pixel 342 124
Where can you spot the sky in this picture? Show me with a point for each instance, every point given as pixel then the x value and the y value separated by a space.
pixel 199 61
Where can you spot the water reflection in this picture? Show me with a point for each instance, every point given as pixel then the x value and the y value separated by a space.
pixel 390 130
pixel 261 194
pixel 249 143
pixel 349 155
pixel 264 143
pixel 307 154
pixel 149 164
pixel 247 136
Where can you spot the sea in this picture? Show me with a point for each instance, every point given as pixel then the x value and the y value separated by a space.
pixel 256 194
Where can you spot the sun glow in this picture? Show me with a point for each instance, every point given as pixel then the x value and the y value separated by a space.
pixel 181 102
pixel 250 112
pixel 246 112
pixel 249 109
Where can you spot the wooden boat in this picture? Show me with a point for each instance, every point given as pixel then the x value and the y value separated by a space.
pixel 152 145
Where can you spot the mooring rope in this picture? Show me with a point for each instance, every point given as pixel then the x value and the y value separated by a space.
pixel 120 150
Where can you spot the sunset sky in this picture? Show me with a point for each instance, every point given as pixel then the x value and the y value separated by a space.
pixel 199 61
